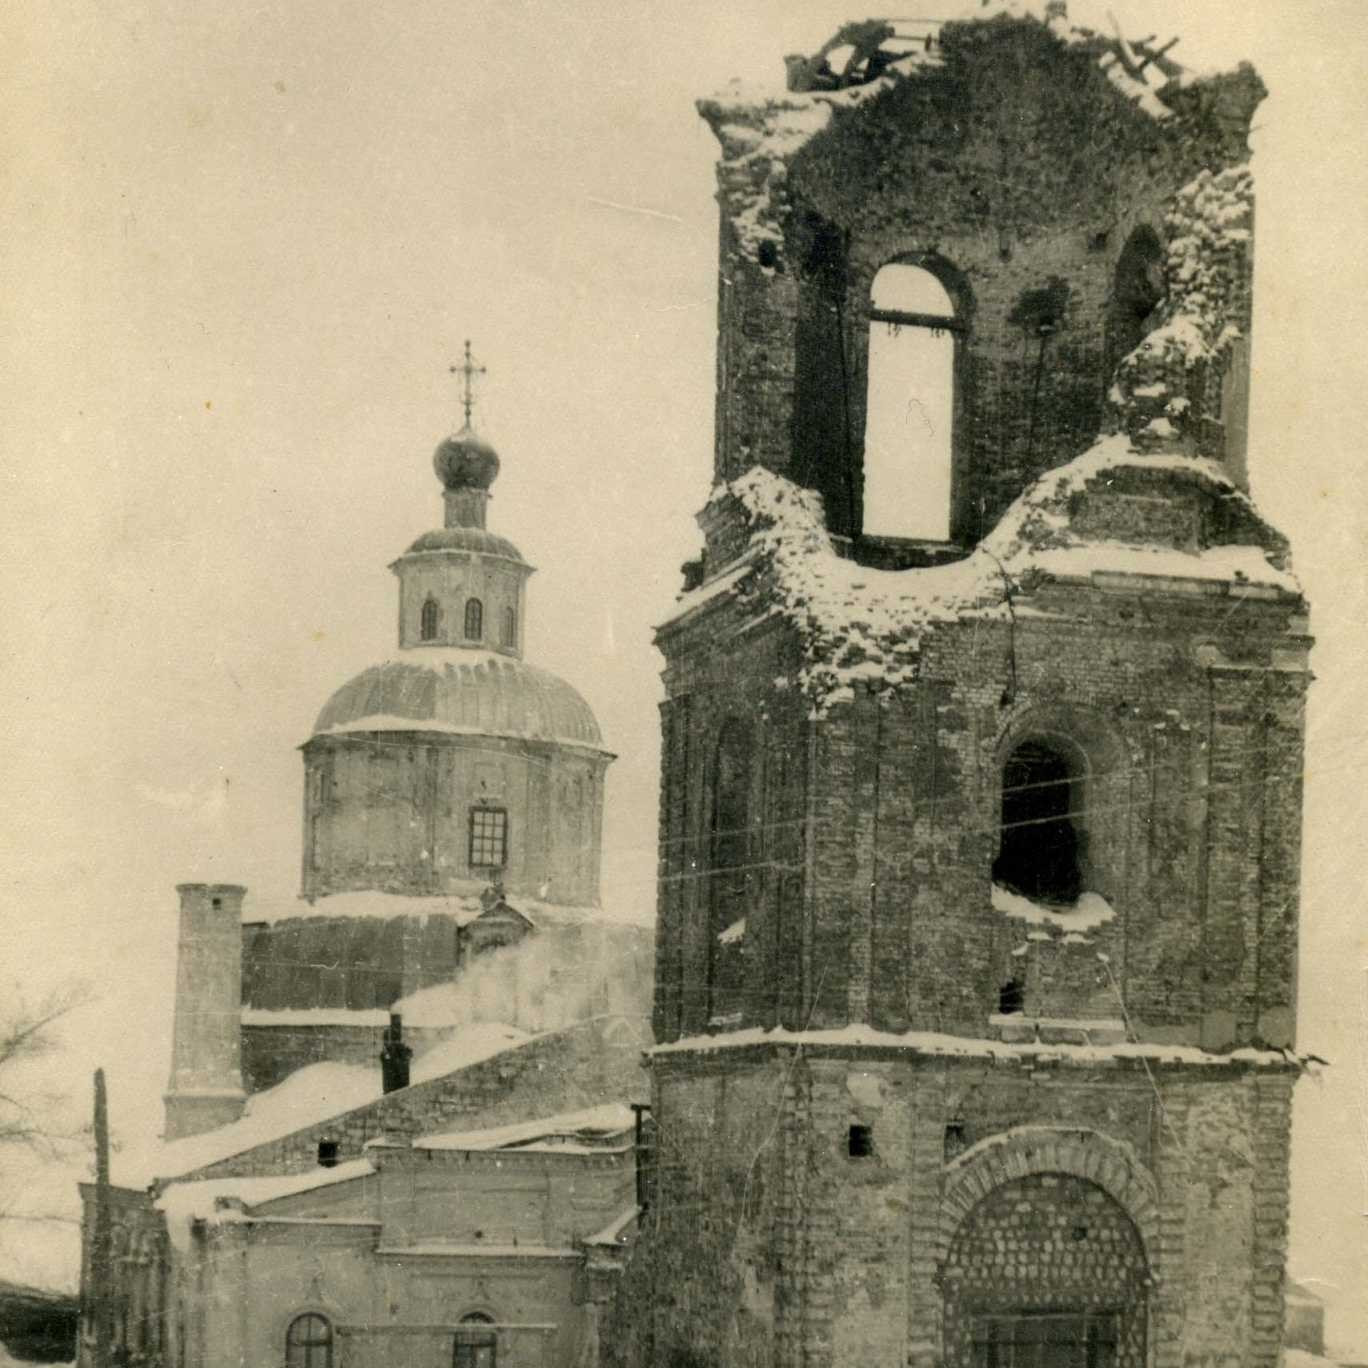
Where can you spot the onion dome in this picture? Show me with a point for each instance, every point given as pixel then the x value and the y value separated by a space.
pixel 466 461
pixel 465 692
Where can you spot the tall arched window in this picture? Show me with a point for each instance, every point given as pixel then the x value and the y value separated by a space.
pixel 910 405
pixel 308 1342
pixel 510 627
pixel 1043 799
pixel 429 620
pixel 477 1344
pixel 474 619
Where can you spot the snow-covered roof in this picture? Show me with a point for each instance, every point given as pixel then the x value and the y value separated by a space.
pixel 463 905
pixel 185 1203
pixel 462 691
pixel 584 1131
pixel 308 1096
pixel 862 625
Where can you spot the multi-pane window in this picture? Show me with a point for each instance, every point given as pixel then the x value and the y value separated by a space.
pixel 476 1342
pixel 308 1342
pixel 474 619
pixel 1046 1339
pixel 429 620
pixel 910 405
pixel 488 838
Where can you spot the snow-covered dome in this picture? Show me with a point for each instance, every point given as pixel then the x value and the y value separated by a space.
pixel 477 539
pixel 464 691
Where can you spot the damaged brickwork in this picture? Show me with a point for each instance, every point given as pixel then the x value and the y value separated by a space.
pixel 976 950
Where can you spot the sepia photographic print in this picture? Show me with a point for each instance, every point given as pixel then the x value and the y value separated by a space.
pixel 682 685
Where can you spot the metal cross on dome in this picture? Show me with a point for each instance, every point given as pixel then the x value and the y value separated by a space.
pixel 468 370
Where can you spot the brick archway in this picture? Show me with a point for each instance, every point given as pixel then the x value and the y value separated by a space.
pixel 1027 1150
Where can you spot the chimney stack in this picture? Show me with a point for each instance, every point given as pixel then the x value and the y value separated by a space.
pixel 395 1056
pixel 205 1090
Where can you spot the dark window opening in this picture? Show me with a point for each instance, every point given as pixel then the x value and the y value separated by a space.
pixel 909 405
pixel 474 619
pixel 476 1342
pixel 327 1153
pixel 1046 1339
pixel 510 627
pixel 1039 851
pixel 1137 289
pixel 429 620
pixel 488 838
pixel 308 1343
pixel 1011 998
pixel 861 1142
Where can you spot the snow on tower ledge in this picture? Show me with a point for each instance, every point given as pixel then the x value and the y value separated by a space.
pixel 864 626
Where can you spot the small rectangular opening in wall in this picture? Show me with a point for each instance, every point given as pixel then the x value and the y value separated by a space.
pixel 861 1142
pixel 327 1153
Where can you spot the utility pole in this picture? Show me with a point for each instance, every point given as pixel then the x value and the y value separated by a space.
pixel 102 1237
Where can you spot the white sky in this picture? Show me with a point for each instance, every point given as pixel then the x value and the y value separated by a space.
pixel 242 244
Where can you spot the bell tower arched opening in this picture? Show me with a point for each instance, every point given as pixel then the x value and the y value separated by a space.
pixel 909 405
pixel 1040 850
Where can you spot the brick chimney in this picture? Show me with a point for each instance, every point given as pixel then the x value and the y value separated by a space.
pixel 395 1056
pixel 205 1089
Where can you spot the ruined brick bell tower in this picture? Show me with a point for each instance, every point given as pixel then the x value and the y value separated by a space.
pixel 983 735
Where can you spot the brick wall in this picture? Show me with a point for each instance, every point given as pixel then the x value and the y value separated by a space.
pixel 770 1242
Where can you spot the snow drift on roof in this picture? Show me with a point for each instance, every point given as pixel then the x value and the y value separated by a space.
pixel 185 1203
pixel 308 1096
pixel 591 1127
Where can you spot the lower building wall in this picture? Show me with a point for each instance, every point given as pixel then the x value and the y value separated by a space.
pixel 244 1288
pixel 1147 1200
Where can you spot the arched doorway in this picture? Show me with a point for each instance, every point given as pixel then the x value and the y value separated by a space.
pixel 1047 1271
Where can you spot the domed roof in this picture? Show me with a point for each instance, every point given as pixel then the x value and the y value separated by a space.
pixel 463 691
pixel 467 539
pixel 466 461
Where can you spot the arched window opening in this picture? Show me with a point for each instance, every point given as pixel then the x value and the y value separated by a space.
pixel 510 627
pixel 429 620
pixel 477 1344
pixel 308 1342
pixel 1137 289
pixel 1042 809
pixel 1011 998
pixel 474 619
pixel 730 848
pixel 910 404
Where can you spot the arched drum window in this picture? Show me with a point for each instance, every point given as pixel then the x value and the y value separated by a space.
pixel 910 405
pixel 474 619
pixel 510 627
pixel 308 1342
pixel 429 619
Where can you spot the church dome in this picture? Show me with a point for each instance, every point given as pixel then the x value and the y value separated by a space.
pixel 466 461
pixel 475 539
pixel 465 691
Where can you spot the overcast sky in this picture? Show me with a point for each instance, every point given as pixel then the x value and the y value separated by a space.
pixel 242 244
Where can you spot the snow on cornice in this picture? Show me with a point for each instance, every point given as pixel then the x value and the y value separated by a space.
pixel 864 626
pixel 941 1045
